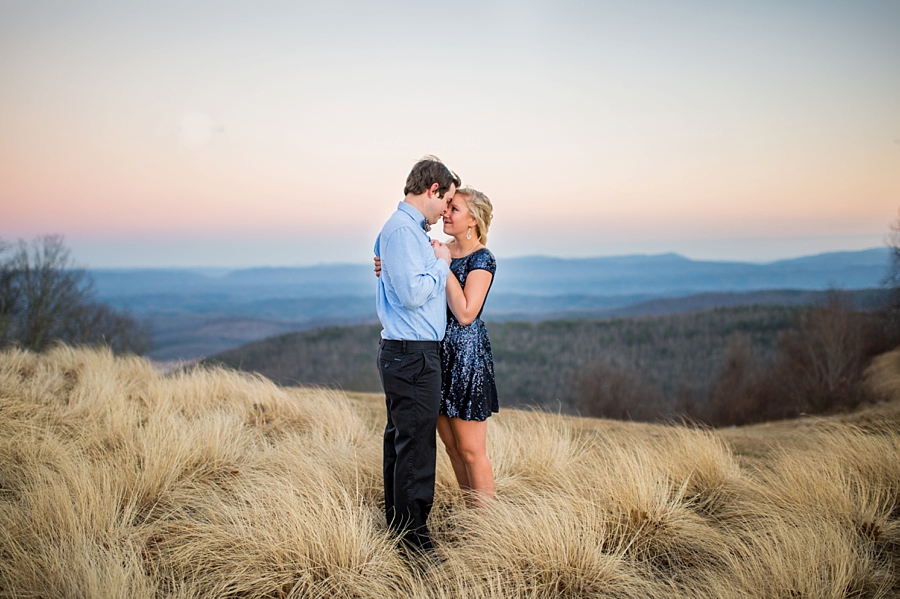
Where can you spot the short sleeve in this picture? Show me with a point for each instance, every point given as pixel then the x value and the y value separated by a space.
pixel 483 260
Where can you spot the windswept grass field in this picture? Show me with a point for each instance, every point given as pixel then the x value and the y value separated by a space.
pixel 118 480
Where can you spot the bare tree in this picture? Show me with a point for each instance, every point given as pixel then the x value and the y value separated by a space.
pixel 824 358
pixel 10 294
pixel 606 391
pixel 99 324
pixel 44 298
pixel 892 279
pixel 735 398
pixel 51 288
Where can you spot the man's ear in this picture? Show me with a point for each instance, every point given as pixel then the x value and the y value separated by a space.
pixel 434 189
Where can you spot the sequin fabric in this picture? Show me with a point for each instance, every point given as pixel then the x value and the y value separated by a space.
pixel 467 365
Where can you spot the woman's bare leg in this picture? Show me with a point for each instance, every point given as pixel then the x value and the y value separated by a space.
pixel 456 460
pixel 471 445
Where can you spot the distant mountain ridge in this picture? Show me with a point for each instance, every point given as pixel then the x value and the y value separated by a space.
pixel 650 275
pixel 199 312
pixel 673 274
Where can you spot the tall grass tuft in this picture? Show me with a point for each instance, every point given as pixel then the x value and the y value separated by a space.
pixel 118 480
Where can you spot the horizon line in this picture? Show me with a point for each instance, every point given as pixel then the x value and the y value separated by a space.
pixel 228 269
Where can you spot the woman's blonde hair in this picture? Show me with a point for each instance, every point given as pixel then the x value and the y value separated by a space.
pixel 479 207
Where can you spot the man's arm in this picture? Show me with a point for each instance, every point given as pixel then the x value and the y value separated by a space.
pixel 414 276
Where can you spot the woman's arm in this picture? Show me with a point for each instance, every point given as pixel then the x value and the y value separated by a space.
pixel 466 303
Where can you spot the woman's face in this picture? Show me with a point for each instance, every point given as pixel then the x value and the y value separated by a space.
pixel 457 218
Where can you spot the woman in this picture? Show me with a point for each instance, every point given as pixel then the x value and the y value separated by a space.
pixel 468 395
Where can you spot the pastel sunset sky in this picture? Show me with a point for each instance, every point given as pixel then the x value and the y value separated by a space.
pixel 281 133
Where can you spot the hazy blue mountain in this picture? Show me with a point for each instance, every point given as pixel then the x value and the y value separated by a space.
pixel 637 275
pixel 113 283
pixel 242 284
pixel 672 274
pixel 856 299
pixel 201 311
pixel 323 280
pixel 503 304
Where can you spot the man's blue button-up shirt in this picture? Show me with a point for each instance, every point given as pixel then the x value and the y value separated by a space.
pixel 410 299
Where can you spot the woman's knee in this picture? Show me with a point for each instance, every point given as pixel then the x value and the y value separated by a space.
pixel 471 453
pixel 452 451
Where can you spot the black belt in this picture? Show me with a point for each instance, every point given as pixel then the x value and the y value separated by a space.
pixel 408 346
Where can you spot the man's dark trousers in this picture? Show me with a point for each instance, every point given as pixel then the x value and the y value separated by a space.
pixel 411 377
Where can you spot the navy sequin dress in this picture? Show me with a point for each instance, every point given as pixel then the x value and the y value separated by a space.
pixel 467 365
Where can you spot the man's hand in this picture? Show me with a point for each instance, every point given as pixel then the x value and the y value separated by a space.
pixel 441 251
pixel 377 266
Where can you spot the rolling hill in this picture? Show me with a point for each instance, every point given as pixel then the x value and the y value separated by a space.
pixel 199 312
pixel 538 363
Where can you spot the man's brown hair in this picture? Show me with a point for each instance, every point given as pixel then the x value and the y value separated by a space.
pixel 428 171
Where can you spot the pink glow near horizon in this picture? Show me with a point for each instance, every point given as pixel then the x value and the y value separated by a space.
pixel 593 131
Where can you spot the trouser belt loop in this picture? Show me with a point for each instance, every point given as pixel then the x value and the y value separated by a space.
pixel 404 346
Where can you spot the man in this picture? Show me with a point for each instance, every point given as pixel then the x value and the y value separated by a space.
pixel 412 307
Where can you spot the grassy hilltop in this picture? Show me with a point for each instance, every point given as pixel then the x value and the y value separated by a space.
pixel 117 480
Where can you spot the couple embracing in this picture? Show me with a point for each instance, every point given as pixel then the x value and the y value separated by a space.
pixel 434 356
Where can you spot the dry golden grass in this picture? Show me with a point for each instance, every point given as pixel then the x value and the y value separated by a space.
pixel 117 480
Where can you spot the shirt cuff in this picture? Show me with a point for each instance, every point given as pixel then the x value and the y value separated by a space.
pixel 443 267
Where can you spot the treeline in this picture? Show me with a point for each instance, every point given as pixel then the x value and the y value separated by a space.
pixel 639 365
pixel 708 366
pixel 819 368
pixel 815 366
pixel 720 367
pixel 45 299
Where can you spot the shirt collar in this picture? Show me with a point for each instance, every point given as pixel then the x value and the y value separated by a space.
pixel 413 213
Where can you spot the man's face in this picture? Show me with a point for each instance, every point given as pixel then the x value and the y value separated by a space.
pixel 435 206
